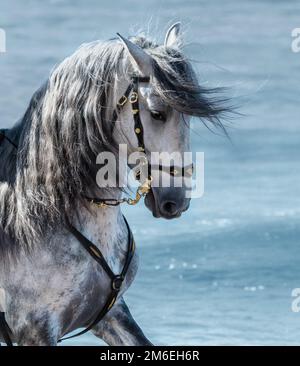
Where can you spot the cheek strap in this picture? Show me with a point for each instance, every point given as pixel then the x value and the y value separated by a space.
pixel 134 101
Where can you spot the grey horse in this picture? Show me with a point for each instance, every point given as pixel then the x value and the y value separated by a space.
pixel 50 286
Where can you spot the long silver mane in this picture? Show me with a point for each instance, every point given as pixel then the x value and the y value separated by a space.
pixel 67 124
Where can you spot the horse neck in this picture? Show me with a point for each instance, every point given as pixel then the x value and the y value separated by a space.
pixel 105 227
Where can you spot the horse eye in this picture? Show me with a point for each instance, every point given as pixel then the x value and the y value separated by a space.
pixel 160 116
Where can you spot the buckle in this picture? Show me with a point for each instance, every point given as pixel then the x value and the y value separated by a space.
pixel 117 282
pixel 122 100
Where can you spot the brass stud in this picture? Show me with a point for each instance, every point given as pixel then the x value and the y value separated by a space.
pixel 95 252
pixel 174 172
pixel 137 130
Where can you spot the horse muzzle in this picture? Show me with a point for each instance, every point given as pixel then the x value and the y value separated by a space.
pixel 168 203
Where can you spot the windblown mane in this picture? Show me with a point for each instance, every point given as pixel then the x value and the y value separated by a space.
pixel 67 124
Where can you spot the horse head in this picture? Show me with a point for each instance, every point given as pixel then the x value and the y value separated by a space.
pixel 169 94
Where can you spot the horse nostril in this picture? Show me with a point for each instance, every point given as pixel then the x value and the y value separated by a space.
pixel 169 208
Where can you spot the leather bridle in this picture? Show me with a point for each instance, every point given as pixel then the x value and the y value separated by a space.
pixel 131 95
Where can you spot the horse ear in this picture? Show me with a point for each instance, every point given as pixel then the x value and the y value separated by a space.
pixel 173 35
pixel 140 58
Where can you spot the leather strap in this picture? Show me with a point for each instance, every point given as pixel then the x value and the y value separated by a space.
pixel 116 280
pixel 122 101
pixel 138 127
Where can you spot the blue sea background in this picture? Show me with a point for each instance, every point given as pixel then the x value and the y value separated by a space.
pixel 223 273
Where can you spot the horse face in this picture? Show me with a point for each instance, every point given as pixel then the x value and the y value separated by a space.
pixel 166 138
pixel 166 133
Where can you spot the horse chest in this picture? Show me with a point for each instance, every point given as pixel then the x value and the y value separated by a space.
pixel 109 234
pixel 93 282
pixel 65 281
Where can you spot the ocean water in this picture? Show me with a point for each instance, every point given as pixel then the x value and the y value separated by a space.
pixel 223 273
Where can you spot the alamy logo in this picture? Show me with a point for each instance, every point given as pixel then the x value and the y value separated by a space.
pixel 2 41
pixel 164 170
pixel 296 41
